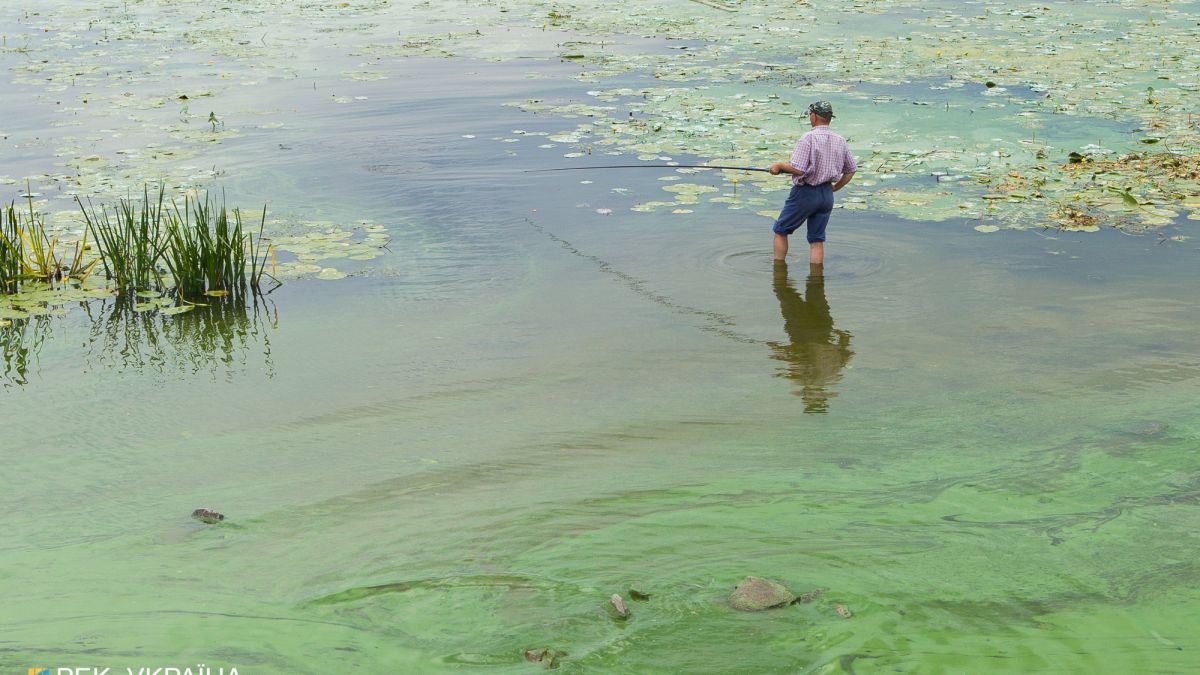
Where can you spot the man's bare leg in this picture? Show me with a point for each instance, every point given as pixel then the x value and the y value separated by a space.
pixel 781 246
pixel 816 252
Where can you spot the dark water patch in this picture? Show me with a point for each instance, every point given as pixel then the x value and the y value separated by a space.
pixel 498 581
pixel 398 169
pixel 992 615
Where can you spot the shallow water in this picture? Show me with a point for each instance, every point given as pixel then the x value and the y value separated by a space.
pixel 983 446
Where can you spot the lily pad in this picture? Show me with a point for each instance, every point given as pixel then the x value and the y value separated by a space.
pixel 330 273
pixel 690 188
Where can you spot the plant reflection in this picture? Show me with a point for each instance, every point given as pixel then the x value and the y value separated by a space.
pixel 213 338
pixel 221 337
pixel 20 342
pixel 817 351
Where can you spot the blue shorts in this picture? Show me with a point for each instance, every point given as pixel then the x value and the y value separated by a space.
pixel 811 203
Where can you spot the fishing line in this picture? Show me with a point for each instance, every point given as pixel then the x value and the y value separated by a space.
pixel 712 322
pixel 650 166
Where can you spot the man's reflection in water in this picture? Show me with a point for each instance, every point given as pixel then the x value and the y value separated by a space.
pixel 818 351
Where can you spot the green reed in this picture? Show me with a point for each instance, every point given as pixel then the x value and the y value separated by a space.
pixel 131 241
pixel 28 251
pixel 206 249
pixel 202 246
pixel 12 250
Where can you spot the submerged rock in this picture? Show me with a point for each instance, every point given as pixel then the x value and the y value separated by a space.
pixel 755 595
pixel 618 604
pixel 545 656
pixel 208 516
pixel 1149 429
pixel 810 596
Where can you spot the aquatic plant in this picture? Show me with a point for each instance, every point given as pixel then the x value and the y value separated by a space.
pixel 201 246
pixel 206 250
pixel 130 242
pixel 28 251
pixel 11 250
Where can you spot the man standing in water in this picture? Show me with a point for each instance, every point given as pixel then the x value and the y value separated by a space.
pixel 820 165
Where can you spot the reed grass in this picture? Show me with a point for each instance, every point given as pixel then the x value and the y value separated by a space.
pixel 201 246
pixel 131 241
pixel 29 252
pixel 12 250
pixel 208 249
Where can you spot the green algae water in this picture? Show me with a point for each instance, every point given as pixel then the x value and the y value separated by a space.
pixel 511 395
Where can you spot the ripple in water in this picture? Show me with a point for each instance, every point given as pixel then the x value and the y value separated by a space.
pixel 855 261
pixel 399 169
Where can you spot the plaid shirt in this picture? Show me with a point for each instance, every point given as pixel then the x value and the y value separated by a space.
pixel 823 156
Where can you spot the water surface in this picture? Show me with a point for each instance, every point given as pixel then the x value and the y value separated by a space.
pixel 982 445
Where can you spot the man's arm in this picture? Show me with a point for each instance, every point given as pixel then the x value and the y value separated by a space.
pixel 849 168
pixel 784 167
pixel 799 155
pixel 842 181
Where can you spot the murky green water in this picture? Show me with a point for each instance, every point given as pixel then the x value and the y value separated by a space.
pixel 982 445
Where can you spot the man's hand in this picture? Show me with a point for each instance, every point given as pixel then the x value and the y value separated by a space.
pixel 842 182
pixel 774 169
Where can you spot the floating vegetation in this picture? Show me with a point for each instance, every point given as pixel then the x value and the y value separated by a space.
pixel 941 97
pixel 907 90
pixel 43 298
pixel 308 254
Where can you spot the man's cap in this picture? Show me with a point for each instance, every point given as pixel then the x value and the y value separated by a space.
pixel 822 109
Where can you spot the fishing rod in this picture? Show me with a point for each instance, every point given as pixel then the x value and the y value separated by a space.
pixel 650 166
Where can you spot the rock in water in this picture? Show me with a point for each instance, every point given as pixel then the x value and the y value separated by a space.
pixel 545 656
pixel 207 516
pixel 638 595
pixel 619 604
pixel 755 595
